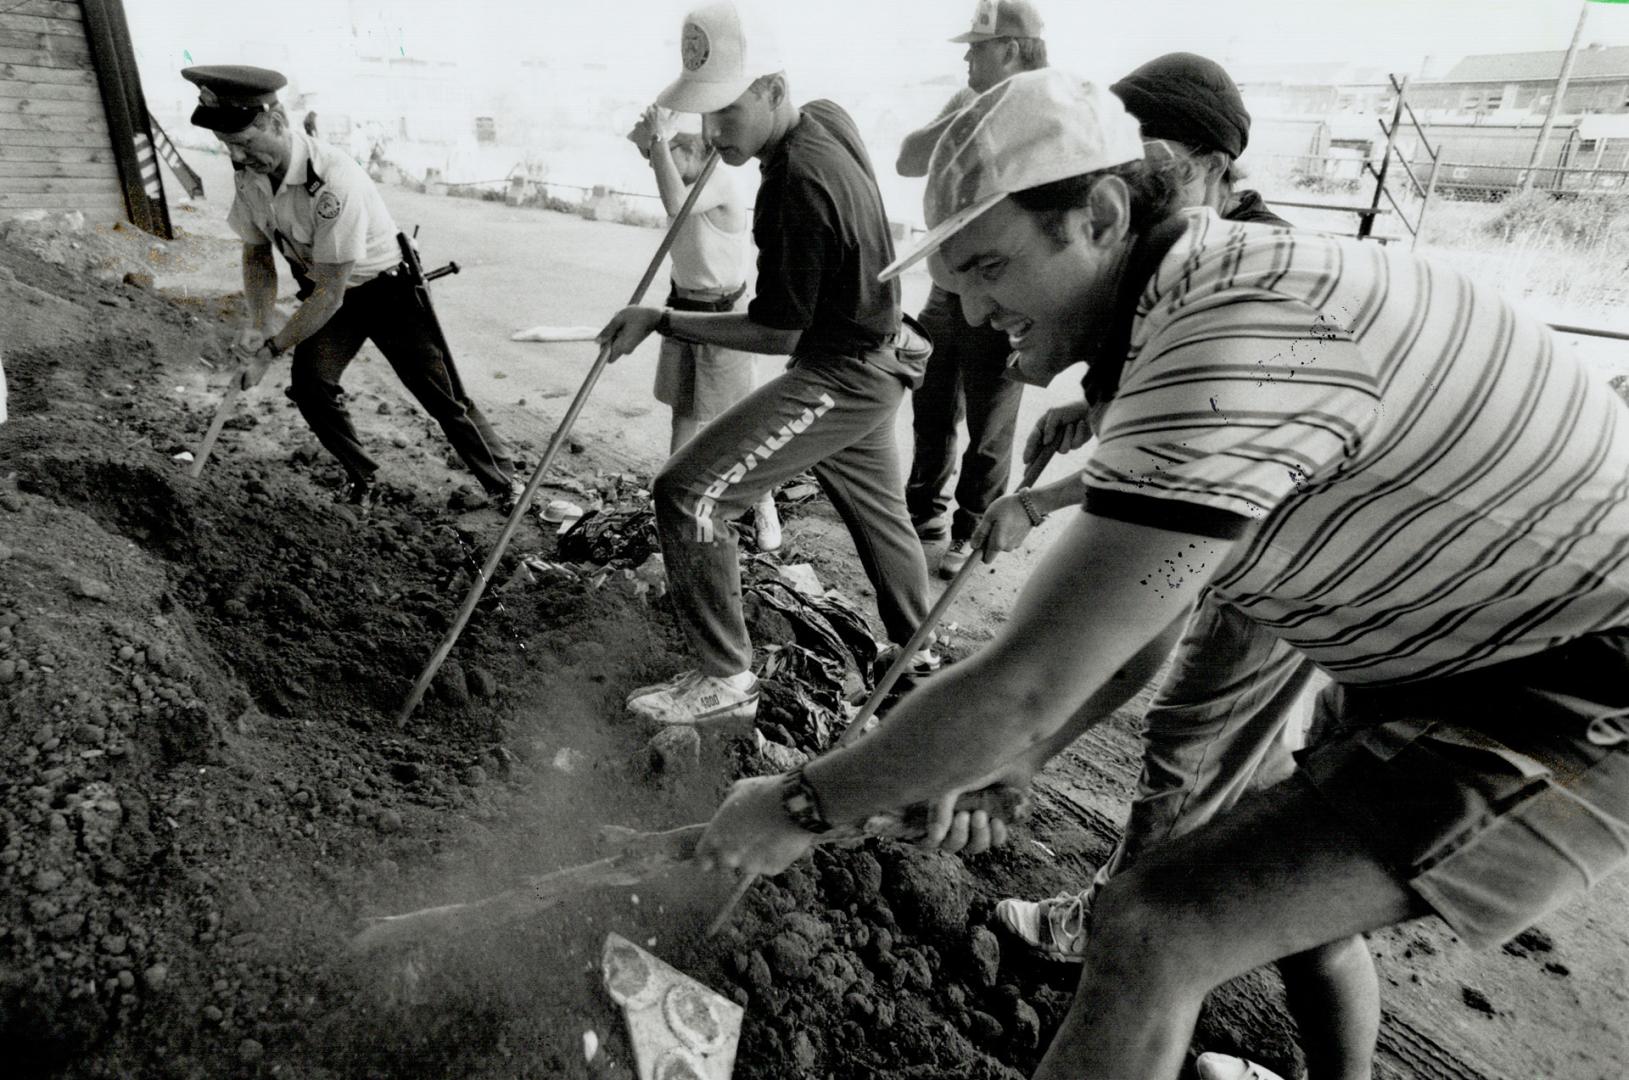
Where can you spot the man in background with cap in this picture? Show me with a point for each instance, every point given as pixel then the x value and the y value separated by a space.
pixel 1359 450
pixel 822 239
pixel 967 374
pixel 316 205
pixel 699 382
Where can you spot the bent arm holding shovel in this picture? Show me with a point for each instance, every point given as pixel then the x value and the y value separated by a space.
pixel 256 344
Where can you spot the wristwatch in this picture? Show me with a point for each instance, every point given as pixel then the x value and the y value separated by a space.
pixel 273 349
pixel 801 804
pixel 664 325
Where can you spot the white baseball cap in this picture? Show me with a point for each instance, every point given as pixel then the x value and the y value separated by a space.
pixel 997 19
pixel 1034 128
pixel 723 47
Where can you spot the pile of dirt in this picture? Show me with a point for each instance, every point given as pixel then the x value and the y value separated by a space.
pixel 108 253
pixel 207 786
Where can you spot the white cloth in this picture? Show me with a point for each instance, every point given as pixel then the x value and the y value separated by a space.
pixel 707 257
pixel 338 218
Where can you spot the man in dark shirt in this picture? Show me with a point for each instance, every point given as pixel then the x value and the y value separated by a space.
pixel 822 240
pixel 967 377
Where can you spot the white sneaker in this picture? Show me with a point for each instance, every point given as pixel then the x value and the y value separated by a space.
pixel 1225 1067
pixel 696 699
pixel 955 557
pixel 923 661
pixel 1055 928
pixel 666 684
pixel 767 524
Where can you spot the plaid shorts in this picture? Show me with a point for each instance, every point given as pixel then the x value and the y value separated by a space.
pixel 1498 795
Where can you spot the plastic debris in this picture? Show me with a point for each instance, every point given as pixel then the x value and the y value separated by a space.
pixel 802 577
pixel 184 457
pixel 556 333
pixel 677 1026
pixel 605 536
pixel 561 510
pixel 591 1045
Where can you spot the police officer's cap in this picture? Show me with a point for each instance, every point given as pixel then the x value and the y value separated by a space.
pixel 230 96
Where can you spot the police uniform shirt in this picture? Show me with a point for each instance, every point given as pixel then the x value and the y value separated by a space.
pixel 326 211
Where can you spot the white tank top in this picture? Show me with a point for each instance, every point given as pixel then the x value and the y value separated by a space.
pixel 706 257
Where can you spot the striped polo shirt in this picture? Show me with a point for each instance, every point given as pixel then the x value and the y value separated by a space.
pixel 1420 483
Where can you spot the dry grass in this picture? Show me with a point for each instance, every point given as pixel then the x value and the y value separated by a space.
pixel 1567 257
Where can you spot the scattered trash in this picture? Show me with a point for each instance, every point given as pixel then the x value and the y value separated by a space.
pixel 604 536
pixel 778 758
pixel 184 457
pixel 561 511
pixel 797 493
pixel 556 333
pixel 678 1027
pixel 545 568
pixel 802 577
pixel 591 1045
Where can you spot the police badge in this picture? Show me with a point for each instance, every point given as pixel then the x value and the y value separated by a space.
pixel 328 206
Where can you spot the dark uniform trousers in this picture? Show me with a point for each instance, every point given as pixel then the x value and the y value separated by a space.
pixel 384 311
pixel 966 376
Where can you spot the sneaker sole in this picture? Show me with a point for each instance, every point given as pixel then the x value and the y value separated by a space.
pixel 743 713
pixel 1041 952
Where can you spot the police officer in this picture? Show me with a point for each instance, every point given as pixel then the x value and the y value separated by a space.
pixel 317 206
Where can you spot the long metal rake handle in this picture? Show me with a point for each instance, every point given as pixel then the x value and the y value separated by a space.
pixel 478 586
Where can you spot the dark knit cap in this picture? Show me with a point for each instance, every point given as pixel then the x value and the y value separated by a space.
pixel 1187 99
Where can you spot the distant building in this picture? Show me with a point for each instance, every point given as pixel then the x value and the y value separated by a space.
pixel 1523 84
pixel 1314 89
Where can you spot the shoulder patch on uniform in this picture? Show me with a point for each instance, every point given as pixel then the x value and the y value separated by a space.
pixel 328 206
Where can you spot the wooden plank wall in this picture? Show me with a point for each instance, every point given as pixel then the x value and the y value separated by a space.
pixel 55 150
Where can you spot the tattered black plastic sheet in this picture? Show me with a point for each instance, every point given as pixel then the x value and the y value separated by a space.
pixel 602 537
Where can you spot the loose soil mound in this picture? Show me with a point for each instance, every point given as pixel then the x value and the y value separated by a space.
pixel 207 788
pixel 197 687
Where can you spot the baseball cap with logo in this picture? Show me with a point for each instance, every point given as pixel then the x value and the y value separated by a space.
pixel 1035 128
pixel 994 19
pixel 724 47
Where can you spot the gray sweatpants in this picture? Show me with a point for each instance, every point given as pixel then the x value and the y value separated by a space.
pixel 834 415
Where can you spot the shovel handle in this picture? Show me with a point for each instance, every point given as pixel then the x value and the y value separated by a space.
pixel 222 412
pixel 998 800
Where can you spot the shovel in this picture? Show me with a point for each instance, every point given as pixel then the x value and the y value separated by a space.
pixel 222 411
pixel 636 857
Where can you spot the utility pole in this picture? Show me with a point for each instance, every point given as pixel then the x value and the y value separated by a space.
pixel 1555 101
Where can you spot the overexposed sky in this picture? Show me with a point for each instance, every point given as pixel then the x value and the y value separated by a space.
pixel 867 44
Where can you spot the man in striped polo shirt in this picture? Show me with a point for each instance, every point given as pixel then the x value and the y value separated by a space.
pixel 1385 464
